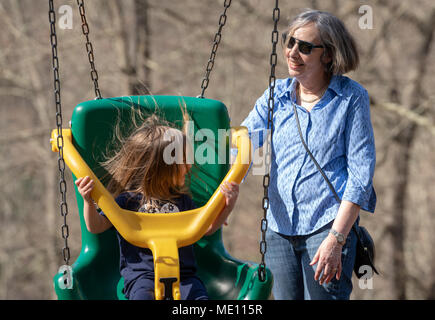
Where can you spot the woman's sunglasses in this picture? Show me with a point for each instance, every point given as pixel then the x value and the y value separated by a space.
pixel 303 46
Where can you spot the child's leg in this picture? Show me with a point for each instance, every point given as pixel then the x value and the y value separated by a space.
pixel 142 289
pixel 192 288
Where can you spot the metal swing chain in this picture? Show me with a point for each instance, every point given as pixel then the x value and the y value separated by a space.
pixel 60 141
pixel 216 41
pixel 89 48
pixel 268 154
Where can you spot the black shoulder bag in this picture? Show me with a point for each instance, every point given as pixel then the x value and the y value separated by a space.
pixel 365 249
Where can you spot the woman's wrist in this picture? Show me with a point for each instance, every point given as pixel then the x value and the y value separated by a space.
pixel 335 240
pixel 88 202
pixel 346 217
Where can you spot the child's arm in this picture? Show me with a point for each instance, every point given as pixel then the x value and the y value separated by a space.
pixel 95 223
pixel 231 192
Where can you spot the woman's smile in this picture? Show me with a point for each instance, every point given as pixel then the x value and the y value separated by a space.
pixel 295 65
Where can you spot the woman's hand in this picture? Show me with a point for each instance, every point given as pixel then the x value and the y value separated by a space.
pixel 85 186
pixel 231 191
pixel 328 257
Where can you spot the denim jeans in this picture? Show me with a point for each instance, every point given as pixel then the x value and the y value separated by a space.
pixel 288 258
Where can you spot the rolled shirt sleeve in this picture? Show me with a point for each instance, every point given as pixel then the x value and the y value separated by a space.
pixel 256 121
pixel 360 154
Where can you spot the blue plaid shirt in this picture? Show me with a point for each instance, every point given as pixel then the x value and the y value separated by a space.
pixel 339 134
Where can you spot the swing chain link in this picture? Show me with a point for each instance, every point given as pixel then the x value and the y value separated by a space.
pixel 216 41
pixel 89 48
pixel 60 141
pixel 268 152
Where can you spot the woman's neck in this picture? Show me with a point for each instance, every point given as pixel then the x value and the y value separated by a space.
pixel 309 94
pixel 310 88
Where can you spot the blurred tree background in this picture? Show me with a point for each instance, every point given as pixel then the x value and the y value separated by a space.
pixel 162 47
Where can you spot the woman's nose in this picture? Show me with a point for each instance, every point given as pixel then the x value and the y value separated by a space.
pixel 293 52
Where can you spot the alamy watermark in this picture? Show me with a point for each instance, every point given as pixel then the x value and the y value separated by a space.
pixel 366 280
pixel 214 148
pixel 66 281
pixel 66 18
pixel 366 20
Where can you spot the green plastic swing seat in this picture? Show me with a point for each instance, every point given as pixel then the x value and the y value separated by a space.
pixel 96 271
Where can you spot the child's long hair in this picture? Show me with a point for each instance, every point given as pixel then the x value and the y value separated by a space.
pixel 139 165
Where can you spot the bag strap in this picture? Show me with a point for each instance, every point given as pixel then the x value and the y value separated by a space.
pixel 317 164
pixel 326 179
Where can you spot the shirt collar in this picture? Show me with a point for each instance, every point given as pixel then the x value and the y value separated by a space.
pixel 335 85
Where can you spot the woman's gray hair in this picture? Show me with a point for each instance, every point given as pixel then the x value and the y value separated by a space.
pixel 339 43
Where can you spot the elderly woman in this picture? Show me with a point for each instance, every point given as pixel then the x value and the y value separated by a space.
pixel 310 241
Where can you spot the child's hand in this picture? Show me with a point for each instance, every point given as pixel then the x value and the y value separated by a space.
pixel 231 192
pixel 85 186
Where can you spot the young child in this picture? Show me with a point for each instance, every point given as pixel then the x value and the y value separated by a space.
pixel 142 181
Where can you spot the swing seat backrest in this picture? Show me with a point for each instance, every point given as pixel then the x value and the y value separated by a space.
pixel 96 270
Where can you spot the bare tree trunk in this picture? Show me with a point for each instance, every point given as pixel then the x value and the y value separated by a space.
pixel 133 44
pixel 51 177
pixel 33 80
pixel 401 171
pixel 397 228
pixel 143 35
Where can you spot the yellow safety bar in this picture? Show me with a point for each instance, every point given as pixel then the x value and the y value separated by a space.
pixel 163 234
